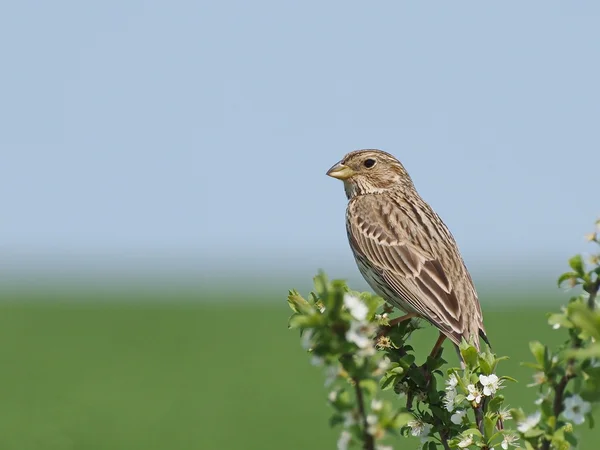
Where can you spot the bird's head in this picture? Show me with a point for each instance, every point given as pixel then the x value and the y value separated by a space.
pixel 370 172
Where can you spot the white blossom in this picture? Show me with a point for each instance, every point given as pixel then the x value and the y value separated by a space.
pixel 372 420
pixel 466 441
pixel 383 365
pixel 490 384
pixel 474 394
pixel 317 361
pixel 509 439
pixel 451 382
pixel 576 408
pixel 449 400
pixel 332 396
pixel 360 334
pixel 376 404
pixel 306 339
pixel 349 418
pixel 356 307
pixel 418 428
pixel 505 414
pixel 384 447
pixel 331 374
pixel 529 422
pixel 367 351
pixel 458 416
pixel 344 440
pixel 541 397
pixel 538 378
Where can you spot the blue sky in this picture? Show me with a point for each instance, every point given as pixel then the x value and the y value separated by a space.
pixel 146 129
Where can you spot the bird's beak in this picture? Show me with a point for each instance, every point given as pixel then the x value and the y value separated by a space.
pixel 340 171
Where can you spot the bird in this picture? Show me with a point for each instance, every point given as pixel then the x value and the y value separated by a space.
pixel 404 250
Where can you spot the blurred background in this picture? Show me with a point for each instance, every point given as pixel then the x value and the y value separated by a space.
pixel 163 186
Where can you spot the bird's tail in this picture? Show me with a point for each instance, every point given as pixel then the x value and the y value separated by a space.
pixel 483 336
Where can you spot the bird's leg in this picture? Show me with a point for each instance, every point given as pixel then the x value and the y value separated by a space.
pixel 397 320
pixel 438 345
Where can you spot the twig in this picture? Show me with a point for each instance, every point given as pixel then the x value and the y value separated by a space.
pixel 479 418
pixel 368 439
pixel 443 433
pixel 559 389
pixel 559 395
pixel 593 290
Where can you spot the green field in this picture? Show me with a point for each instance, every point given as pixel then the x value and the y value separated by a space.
pixel 93 374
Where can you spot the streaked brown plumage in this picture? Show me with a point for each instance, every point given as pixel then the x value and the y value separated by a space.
pixel 403 249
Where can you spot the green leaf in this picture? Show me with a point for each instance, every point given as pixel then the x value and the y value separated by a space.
pixel 576 263
pixel 593 351
pixel 469 355
pixel 485 367
pixel 571 439
pixel 369 385
pixel 559 319
pixel 301 321
pixel 538 350
pixel 402 419
pixel 517 414
pixel 320 282
pixel 406 361
pixel 497 434
pixel 532 365
pixel 534 432
pixel 566 276
pixel 434 363
pixel 335 420
pixel 298 304
pixel 585 318
pixel 473 431
pixel 495 403
pixel 387 381
pixel 547 409
pixel 489 426
pixel 590 420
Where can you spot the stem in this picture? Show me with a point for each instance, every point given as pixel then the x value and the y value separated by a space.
pixel 593 290
pixel 443 434
pixel 559 389
pixel 559 395
pixel 479 418
pixel 369 442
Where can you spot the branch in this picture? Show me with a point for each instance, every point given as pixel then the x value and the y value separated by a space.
pixel 442 432
pixel 560 388
pixel 593 290
pixel 368 439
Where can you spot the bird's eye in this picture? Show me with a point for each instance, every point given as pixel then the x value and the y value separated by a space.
pixel 369 162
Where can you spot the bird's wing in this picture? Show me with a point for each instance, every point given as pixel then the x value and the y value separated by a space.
pixel 397 241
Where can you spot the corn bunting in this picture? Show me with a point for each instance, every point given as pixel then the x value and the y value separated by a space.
pixel 404 250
